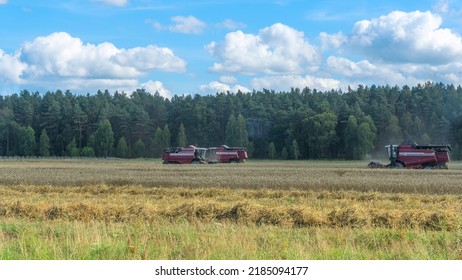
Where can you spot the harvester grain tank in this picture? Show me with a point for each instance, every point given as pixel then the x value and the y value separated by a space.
pixel 225 154
pixel 186 155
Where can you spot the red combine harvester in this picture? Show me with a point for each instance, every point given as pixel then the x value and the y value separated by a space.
pixel 190 154
pixel 225 154
pixel 411 155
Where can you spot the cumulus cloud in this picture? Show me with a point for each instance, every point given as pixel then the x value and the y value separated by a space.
pixel 215 86
pixel 181 24
pixel 278 49
pixel 60 60
pixel 60 54
pixel 398 48
pixel 150 58
pixel 348 68
pixel 366 72
pixel 401 37
pixel 156 86
pixel 286 82
pixel 335 41
pixel 10 68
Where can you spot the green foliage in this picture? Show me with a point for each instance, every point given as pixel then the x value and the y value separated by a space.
pixel 182 139
pixel 122 148
pixel 236 132
pixel 87 152
pixel 284 153
pixel 231 130
pixel 72 149
pixel 294 151
pixel 104 139
pixel 317 121
pixel 26 141
pixel 166 137
pixel 157 144
pixel 271 151
pixel 359 139
pixel 139 149
pixel 44 144
pixel 320 134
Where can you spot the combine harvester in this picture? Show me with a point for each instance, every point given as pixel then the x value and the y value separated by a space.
pixel 411 155
pixel 225 154
pixel 179 155
pixel 194 155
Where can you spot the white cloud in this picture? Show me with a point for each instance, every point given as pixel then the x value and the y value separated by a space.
pixel 151 58
pixel 286 82
pixel 215 86
pixel 335 41
pixel 10 68
pixel 348 68
pixel 366 72
pixel 62 61
pixel 60 54
pixel 3 2
pixel 278 49
pixel 398 48
pixel 185 25
pixel 401 37
pixel 118 3
pixel 156 86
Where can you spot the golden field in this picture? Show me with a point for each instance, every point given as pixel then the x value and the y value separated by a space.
pixel 116 209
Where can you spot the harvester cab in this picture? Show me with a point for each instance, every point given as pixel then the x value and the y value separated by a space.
pixel 392 151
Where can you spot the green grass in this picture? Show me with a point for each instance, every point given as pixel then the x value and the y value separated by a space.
pixel 184 240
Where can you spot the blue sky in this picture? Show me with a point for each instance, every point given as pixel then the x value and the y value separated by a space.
pixel 208 46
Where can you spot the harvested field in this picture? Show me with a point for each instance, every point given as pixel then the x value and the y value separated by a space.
pixel 132 206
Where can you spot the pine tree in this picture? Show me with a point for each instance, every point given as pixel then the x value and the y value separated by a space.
pixel 272 150
pixel 166 136
pixel 26 141
pixel 350 139
pixel 104 139
pixel 72 149
pixel 139 149
pixel 231 131
pixel 157 144
pixel 44 144
pixel 295 152
pixel 242 137
pixel 181 139
pixel 284 153
pixel 122 148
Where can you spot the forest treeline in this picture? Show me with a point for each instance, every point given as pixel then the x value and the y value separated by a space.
pixel 298 124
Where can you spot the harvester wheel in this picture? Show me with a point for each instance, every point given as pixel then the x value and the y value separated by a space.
pixel 397 165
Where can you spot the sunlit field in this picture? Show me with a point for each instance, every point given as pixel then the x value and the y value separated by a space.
pixel 118 209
